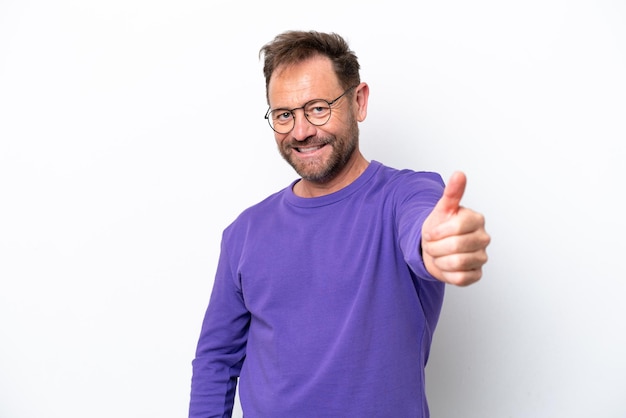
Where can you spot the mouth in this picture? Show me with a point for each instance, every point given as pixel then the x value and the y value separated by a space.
pixel 309 149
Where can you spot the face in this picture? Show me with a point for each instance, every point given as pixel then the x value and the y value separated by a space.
pixel 317 153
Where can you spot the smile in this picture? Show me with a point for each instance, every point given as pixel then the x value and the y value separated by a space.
pixel 306 150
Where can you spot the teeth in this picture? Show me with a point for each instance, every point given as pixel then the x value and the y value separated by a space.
pixel 309 149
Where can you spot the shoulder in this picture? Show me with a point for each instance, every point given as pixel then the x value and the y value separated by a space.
pixel 406 181
pixel 257 213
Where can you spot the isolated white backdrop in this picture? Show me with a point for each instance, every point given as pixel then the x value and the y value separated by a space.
pixel 131 134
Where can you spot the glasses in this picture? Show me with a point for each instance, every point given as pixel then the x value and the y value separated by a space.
pixel 316 111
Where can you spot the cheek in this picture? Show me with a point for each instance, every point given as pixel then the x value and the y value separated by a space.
pixel 340 121
pixel 280 139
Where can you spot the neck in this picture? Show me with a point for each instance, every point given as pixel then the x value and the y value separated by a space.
pixel 355 167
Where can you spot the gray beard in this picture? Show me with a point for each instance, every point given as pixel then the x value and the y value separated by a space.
pixel 338 159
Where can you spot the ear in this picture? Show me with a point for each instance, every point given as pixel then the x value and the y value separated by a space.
pixel 361 94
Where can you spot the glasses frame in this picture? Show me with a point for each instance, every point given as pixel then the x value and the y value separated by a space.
pixel 293 114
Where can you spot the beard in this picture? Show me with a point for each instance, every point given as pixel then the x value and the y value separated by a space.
pixel 323 170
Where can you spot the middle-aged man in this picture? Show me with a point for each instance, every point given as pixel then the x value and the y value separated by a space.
pixel 327 292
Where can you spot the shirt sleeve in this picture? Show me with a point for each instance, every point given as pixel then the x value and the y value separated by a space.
pixel 221 346
pixel 417 196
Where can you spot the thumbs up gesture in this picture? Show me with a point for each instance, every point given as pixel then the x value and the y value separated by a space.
pixel 454 239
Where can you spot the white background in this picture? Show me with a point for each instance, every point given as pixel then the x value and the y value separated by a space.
pixel 131 134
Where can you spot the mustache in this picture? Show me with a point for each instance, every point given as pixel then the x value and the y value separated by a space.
pixel 311 141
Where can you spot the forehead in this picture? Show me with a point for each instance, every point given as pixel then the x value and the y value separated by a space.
pixel 294 84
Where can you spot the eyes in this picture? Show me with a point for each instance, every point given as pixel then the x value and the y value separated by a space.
pixel 316 111
pixel 281 116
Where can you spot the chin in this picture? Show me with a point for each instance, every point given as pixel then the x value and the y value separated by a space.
pixel 313 172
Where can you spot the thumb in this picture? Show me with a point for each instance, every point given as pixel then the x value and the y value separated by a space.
pixel 448 205
pixel 450 202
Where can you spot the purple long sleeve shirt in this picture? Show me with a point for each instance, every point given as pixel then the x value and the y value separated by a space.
pixel 322 307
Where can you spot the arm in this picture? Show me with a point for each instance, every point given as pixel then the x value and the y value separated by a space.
pixel 221 347
pixel 454 239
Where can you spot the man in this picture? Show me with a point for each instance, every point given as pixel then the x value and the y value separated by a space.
pixel 327 293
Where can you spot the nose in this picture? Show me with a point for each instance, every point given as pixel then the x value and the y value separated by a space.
pixel 302 128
